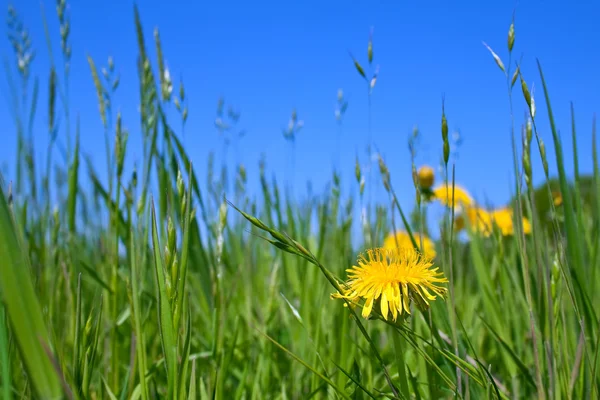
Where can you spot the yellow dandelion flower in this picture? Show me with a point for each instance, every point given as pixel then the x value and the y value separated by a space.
pixel 504 221
pixel 402 240
pixel 480 220
pixel 393 278
pixel 462 198
pixel 426 177
pixel 483 221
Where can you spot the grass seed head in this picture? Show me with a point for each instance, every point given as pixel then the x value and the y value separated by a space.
pixel 515 75
pixel 496 58
pixel 511 36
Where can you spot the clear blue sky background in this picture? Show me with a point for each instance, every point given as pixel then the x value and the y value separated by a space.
pixel 267 58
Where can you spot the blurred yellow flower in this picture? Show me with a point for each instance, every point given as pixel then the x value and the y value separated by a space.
pixel 480 220
pixel 392 278
pixel 483 221
pixel 557 198
pixel 426 177
pixel 402 240
pixel 526 226
pixel 504 221
pixel 462 198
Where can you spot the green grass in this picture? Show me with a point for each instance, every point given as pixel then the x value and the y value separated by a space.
pixel 123 292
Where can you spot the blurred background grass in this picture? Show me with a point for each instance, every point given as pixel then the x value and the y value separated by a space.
pixel 149 284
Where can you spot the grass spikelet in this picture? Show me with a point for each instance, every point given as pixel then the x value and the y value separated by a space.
pixel 496 57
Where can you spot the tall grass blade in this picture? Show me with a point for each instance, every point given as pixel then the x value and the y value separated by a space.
pixel 136 313
pixel 165 316
pixel 20 300
pixel 5 377
pixel 574 243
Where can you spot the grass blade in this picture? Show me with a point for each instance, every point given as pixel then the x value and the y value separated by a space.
pixel 574 250
pixel 137 320
pixel 5 378
pixel 192 391
pixel 165 316
pixel 73 184
pixel 20 299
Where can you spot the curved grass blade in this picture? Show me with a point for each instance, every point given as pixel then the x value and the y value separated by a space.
pixel 109 392
pixel 355 381
pixel 491 378
pixel 20 300
pixel 528 378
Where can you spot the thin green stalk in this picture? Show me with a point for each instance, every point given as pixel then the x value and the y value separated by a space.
pixel 114 286
pixel 451 285
pixel 370 155
pixel 527 279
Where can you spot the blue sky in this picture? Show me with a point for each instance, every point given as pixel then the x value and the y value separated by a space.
pixel 266 58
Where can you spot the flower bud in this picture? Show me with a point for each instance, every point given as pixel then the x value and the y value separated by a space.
pixel 426 177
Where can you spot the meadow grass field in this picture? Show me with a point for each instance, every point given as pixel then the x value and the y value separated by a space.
pixel 112 289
